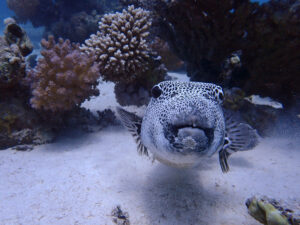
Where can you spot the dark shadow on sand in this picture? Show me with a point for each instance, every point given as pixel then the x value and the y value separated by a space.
pixel 72 139
pixel 177 197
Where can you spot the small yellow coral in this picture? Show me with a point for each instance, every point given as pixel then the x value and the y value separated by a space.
pixel 266 213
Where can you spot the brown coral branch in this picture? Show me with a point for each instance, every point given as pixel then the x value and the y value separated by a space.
pixel 64 77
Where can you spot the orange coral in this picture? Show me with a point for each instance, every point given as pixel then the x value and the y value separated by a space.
pixel 63 78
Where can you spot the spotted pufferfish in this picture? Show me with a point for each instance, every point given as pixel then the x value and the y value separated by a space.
pixel 184 123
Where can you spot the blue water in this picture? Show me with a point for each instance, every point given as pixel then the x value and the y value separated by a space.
pixel 4 13
pixel 260 1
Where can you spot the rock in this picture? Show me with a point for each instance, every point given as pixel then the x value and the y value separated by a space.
pixel 23 147
pixel 260 117
pixel 120 217
pixel 131 94
pixel 14 34
pixel 25 139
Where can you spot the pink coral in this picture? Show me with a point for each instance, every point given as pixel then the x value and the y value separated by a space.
pixel 23 8
pixel 63 78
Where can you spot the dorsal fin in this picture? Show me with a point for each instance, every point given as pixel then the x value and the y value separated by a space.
pixel 239 137
pixel 133 123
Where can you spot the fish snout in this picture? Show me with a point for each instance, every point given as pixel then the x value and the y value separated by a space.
pixel 191 133
pixel 193 139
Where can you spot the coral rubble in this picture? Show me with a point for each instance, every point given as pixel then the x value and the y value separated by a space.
pixel 63 78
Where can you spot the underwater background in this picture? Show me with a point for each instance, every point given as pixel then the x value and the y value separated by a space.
pixel 65 68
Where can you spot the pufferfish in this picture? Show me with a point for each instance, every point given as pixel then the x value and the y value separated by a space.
pixel 184 123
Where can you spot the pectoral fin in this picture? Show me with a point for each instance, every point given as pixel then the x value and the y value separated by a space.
pixel 133 124
pixel 239 137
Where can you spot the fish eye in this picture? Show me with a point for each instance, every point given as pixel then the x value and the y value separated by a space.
pixel 221 96
pixel 156 91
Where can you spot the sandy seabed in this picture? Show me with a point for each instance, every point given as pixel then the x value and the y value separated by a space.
pixel 81 177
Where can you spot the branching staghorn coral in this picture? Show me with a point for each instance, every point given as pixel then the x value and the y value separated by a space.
pixel 124 54
pixel 63 78
pixel 120 44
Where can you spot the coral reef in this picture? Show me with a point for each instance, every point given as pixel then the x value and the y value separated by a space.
pixel 63 78
pixel 168 58
pixel 80 119
pixel 137 92
pixel 77 28
pixel 20 125
pixel 72 78
pixel 124 54
pixel 120 45
pixel 260 117
pixel 12 65
pixel 205 33
pixel 14 34
pixel 127 94
pixel 61 17
pixel 14 46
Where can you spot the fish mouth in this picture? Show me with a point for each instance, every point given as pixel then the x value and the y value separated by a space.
pixel 190 136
